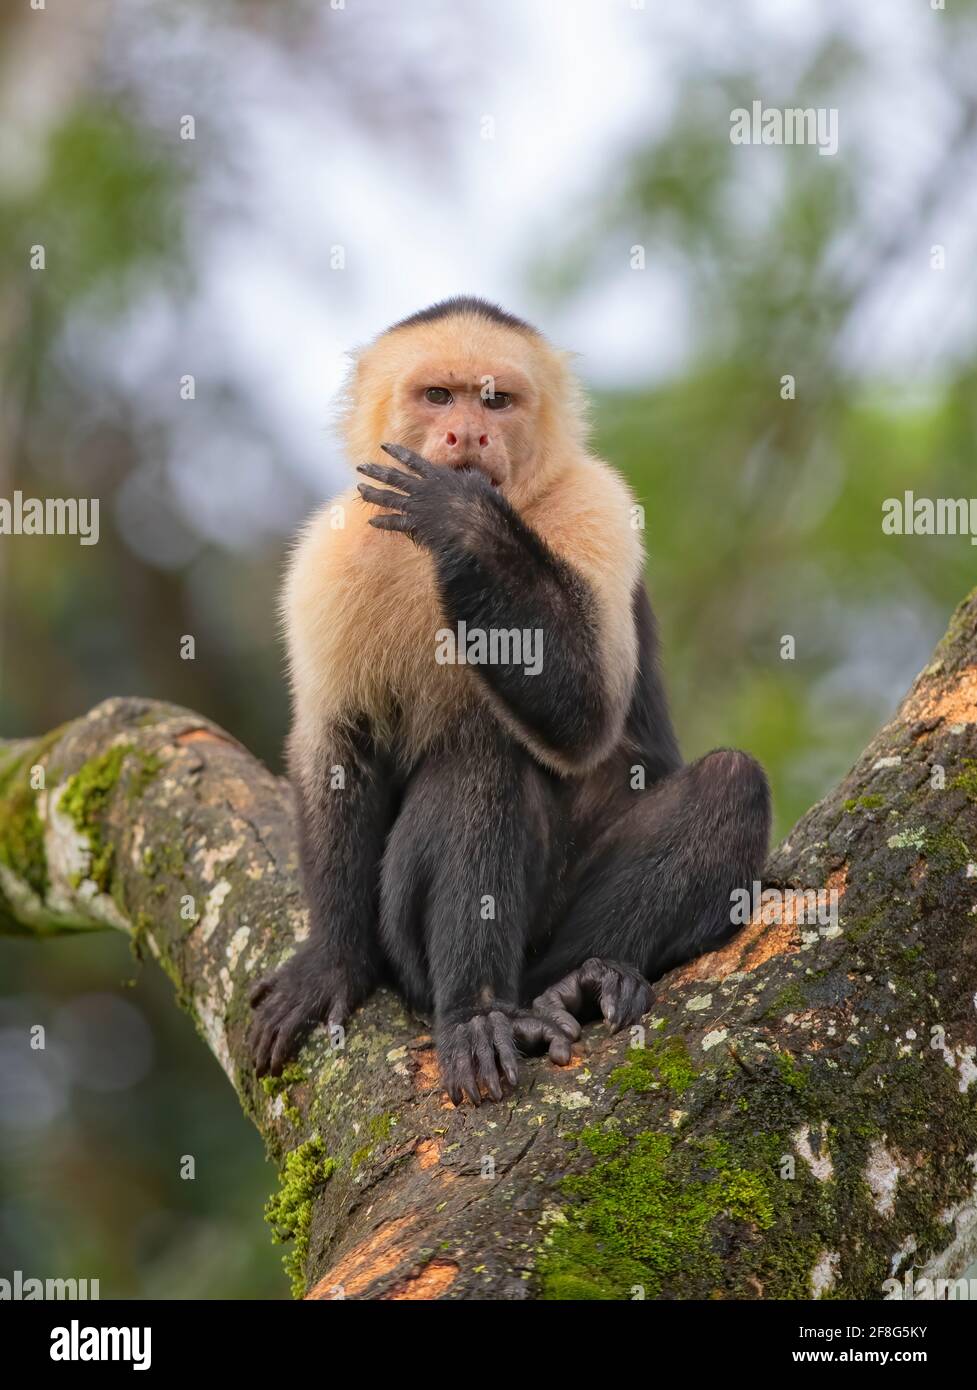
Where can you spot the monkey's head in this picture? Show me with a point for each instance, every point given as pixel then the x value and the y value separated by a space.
pixel 467 385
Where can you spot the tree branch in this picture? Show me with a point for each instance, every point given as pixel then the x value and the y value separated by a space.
pixel 796 1118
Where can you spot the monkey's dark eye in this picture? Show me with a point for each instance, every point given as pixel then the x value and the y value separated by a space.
pixel 437 395
pixel 499 401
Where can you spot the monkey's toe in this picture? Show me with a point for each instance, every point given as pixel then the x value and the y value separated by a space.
pixel 479 1055
pixel 288 1005
pixel 464 1054
pixel 540 1029
pixel 617 991
pixel 260 990
pixel 276 1031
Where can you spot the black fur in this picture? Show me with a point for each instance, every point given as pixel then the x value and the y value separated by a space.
pixel 341 837
pixel 464 304
pixel 502 897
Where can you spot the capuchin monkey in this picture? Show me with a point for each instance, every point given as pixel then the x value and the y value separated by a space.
pixel 511 838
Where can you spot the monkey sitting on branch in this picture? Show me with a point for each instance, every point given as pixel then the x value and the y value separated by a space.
pixel 514 844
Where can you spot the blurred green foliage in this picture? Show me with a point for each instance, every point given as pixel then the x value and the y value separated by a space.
pixel 744 553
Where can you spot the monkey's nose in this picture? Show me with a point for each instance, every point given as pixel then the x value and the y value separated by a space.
pixel 451 439
pixel 483 440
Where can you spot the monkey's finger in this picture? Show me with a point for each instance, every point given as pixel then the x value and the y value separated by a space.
pixel 380 496
pixel 505 1047
pixel 491 1079
pixel 393 477
pixel 533 1030
pixel 457 1070
pixel 527 1030
pixel 629 1007
pixel 610 998
pixel 572 991
pixel 626 994
pixel 269 1029
pixel 409 459
pixel 289 1032
pixel 591 976
pixel 392 521
pixel 260 990
pixel 338 1011
pixel 559 1044
pixel 261 1048
pixel 469 1086
pixel 567 1024
pixel 552 1005
pixel 485 1057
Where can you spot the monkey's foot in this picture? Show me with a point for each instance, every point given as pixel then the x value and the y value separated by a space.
pixel 621 993
pixel 289 1004
pixel 480 1051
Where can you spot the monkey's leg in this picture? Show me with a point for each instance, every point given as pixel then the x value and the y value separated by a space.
pixel 465 872
pixel 344 793
pixel 656 889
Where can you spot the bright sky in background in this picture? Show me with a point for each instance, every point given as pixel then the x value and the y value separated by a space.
pixel 570 86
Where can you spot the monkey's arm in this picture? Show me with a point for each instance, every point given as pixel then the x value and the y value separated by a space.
pixel 345 808
pixel 496 573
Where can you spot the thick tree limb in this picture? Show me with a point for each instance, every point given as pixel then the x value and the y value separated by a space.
pixel 800 1120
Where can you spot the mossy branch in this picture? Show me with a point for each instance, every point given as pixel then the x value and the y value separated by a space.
pixel 796 1118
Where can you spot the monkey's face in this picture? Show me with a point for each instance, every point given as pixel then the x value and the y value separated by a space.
pixel 466 393
pixel 485 423
pixel 472 406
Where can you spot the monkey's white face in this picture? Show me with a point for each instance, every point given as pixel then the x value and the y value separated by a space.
pixel 463 418
pixel 466 392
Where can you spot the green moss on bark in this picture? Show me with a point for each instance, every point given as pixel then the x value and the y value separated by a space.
pixel 21 828
pixel 665 1062
pixel 945 852
pixel 966 781
pixel 790 1073
pixel 648 1212
pixel 291 1075
pixel 378 1128
pixel 789 1000
pixel 289 1210
pixel 22 839
pixel 863 803
pixel 87 795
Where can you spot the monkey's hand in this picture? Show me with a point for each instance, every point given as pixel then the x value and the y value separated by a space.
pixel 432 503
pixel 479 1050
pixel 287 1005
pixel 618 991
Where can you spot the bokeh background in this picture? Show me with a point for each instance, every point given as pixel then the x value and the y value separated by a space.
pixel 351 163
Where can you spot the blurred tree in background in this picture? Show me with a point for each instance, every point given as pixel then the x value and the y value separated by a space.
pixel 167 256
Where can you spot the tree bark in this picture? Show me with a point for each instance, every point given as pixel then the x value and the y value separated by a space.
pixel 795 1118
